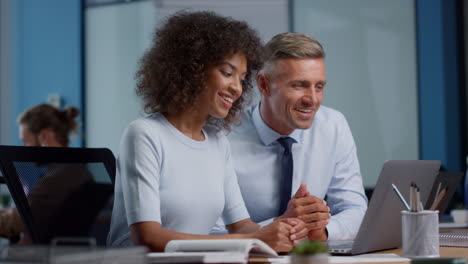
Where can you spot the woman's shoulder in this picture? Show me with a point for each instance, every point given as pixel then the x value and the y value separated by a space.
pixel 147 123
pixel 145 129
pixel 145 132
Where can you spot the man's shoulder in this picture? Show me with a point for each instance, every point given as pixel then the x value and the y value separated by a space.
pixel 245 122
pixel 244 128
pixel 326 113
pixel 329 122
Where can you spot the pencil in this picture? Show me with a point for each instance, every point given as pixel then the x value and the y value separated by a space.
pixel 439 199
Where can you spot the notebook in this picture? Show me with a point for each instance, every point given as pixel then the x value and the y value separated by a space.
pixel 212 251
pixel 453 239
pixel 381 226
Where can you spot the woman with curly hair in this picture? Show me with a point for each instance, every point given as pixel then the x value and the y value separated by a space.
pixel 175 176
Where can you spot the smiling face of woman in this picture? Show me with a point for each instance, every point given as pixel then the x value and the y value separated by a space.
pixel 223 85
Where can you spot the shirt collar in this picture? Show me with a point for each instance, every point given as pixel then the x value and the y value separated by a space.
pixel 268 135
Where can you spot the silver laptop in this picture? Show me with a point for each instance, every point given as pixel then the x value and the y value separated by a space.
pixel 381 227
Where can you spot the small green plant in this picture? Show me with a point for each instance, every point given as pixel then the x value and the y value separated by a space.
pixel 310 247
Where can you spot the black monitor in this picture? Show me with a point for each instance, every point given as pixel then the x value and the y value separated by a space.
pixel 61 192
pixel 447 184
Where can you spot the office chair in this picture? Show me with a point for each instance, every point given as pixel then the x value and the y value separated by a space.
pixel 61 192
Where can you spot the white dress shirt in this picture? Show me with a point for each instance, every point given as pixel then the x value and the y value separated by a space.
pixel 324 157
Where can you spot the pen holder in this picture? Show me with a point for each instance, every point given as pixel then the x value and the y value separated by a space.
pixel 420 233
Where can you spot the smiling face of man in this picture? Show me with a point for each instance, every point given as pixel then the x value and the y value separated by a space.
pixel 223 85
pixel 292 91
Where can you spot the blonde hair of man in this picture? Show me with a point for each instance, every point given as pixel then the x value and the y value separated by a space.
pixel 291 45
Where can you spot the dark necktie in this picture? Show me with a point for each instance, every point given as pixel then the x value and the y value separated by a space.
pixel 286 173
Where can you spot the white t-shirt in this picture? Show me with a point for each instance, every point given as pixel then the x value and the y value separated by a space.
pixel 164 176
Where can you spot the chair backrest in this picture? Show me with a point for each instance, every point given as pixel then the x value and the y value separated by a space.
pixel 61 192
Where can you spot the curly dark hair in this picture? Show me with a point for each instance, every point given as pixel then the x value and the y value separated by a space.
pixel 172 73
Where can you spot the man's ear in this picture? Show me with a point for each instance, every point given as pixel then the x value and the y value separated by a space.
pixel 41 138
pixel 44 137
pixel 263 84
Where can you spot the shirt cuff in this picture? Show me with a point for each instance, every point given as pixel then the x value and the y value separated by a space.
pixel 332 230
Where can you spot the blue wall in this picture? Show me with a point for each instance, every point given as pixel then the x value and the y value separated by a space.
pixel 46 55
pixel 439 86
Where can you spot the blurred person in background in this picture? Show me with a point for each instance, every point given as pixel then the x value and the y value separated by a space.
pixel 42 125
pixel 47 126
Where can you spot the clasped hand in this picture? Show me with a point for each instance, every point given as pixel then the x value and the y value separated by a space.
pixel 310 209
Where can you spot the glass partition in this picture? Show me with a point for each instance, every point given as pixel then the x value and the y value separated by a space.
pixel 117 35
pixel 371 73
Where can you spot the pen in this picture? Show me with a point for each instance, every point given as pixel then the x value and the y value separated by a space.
pixel 401 197
pixel 439 199
pixel 413 203
pixel 418 200
pixel 438 191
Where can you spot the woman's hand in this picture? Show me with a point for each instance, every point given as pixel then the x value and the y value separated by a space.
pixel 299 230
pixel 282 235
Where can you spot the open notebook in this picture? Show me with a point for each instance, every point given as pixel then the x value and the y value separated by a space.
pixel 212 251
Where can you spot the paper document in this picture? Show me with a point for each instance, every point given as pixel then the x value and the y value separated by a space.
pixel 367 258
pixel 196 257
pixel 212 251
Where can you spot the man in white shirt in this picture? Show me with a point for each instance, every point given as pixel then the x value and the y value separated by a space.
pixel 324 163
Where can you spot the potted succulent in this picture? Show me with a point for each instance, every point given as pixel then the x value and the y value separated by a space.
pixel 310 252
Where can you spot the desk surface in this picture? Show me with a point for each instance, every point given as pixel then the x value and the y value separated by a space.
pixel 452 252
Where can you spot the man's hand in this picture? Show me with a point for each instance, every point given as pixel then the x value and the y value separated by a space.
pixel 318 234
pixel 310 209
